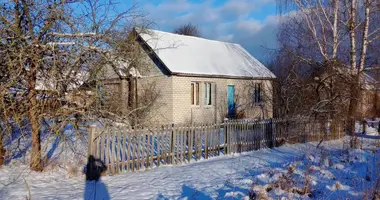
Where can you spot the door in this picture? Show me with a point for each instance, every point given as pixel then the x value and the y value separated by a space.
pixel 231 100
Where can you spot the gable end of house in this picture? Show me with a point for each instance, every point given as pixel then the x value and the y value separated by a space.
pixel 152 55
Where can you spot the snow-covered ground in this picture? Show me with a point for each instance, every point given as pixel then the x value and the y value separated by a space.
pixel 371 127
pixel 332 171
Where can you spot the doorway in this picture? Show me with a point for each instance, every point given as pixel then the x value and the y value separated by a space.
pixel 231 101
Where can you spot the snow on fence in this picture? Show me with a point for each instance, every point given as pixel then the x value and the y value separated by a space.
pixel 125 149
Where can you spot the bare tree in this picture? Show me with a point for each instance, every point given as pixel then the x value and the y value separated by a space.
pixel 329 35
pixel 188 29
pixel 48 50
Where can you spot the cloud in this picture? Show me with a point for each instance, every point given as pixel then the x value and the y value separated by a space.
pixel 240 8
pixel 231 20
pixel 257 37
pixel 262 40
pixel 226 38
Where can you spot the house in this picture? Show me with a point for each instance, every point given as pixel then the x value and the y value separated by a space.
pixel 369 106
pixel 191 80
pixel 331 80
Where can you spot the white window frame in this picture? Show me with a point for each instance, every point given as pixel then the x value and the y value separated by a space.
pixel 195 100
pixel 207 94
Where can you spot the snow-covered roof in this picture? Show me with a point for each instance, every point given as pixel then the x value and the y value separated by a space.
pixel 371 79
pixel 198 56
pixel 120 68
pixel 123 67
pixel 49 82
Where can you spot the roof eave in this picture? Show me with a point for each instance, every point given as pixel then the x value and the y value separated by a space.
pixel 221 76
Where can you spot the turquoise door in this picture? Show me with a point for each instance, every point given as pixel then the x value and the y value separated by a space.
pixel 231 101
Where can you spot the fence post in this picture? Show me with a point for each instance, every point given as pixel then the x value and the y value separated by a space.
pixel 91 136
pixel 225 127
pixel 273 125
pixel 364 129
pixel 172 148
pixel 268 130
pixel 207 130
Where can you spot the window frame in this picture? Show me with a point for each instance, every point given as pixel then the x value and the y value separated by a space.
pixel 208 94
pixel 257 93
pixel 194 93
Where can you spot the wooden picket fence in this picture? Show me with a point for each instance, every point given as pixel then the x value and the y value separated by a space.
pixel 125 149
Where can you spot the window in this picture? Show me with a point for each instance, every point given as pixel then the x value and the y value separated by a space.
pixel 257 93
pixel 207 94
pixel 194 93
pixel 100 93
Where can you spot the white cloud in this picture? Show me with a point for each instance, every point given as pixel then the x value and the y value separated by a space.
pixel 249 26
pixel 176 5
pixel 238 9
pixel 229 22
pixel 226 38
pixel 257 37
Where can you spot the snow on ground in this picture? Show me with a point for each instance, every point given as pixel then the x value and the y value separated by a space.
pixel 328 173
pixel 371 126
pixel 65 148
pixel 333 173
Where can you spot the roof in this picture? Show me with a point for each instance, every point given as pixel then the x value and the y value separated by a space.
pixel 121 69
pixel 118 67
pixel 49 82
pixel 371 79
pixel 190 55
pixel 368 79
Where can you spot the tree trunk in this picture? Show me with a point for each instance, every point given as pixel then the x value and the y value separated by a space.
pixel 124 96
pixel 352 36
pixel 351 117
pixel 2 150
pixel 365 38
pixel 35 159
pixel 352 111
pixel 135 100
pixel 335 28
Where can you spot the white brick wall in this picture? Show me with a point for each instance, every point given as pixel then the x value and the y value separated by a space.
pixel 174 103
pixel 162 111
pixel 184 112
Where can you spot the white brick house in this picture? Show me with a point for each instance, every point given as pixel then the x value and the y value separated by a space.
pixel 203 80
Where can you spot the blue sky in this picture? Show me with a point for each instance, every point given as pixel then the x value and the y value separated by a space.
pixel 251 23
